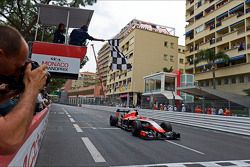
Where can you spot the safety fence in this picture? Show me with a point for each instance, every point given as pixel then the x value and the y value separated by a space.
pixel 230 124
pixel 235 109
pixel 27 153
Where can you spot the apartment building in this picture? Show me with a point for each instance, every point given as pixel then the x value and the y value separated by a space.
pixel 149 48
pixel 221 25
pixel 181 58
pixel 103 61
pixel 85 79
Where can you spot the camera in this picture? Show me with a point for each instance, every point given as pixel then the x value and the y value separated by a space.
pixel 16 83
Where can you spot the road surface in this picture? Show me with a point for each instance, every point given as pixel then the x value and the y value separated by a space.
pixel 78 136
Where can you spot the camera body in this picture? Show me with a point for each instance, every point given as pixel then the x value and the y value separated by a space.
pixel 16 83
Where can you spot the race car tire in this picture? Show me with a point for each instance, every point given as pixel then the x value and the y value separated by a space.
pixel 166 126
pixel 113 120
pixel 136 128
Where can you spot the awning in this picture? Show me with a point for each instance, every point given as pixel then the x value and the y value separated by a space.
pixel 238 57
pixel 189 32
pixel 210 21
pixel 199 15
pixel 222 15
pixel 53 15
pixel 236 8
pixel 216 94
pixel 222 29
pixel 237 23
pixel 167 94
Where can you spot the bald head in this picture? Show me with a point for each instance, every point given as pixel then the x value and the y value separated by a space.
pixel 10 41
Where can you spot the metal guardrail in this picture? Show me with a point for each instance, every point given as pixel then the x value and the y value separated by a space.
pixel 230 124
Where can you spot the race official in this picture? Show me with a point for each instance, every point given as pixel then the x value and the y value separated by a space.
pixel 13 55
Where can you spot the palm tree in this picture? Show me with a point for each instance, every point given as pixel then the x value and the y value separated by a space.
pixel 211 57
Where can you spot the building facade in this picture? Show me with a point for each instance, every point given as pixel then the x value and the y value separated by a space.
pixel 103 60
pixel 149 48
pixel 85 79
pixel 221 25
pixel 181 58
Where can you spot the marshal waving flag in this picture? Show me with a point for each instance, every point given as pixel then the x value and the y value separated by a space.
pixel 119 61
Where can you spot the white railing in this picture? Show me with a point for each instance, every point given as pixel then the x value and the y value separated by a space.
pixel 231 124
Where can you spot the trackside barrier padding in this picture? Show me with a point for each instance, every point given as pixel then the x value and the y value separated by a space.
pixel 230 124
pixel 27 153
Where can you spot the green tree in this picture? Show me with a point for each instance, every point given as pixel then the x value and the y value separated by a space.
pixel 210 57
pixel 23 14
pixel 165 69
pixel 55 84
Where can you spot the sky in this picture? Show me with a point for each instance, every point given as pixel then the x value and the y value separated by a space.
pixel 110 16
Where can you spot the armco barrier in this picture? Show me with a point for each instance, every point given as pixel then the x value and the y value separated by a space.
pixel 27 154
pixel 231 124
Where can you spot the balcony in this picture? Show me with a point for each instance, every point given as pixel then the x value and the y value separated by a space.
pixel 204 46
pixel 189 4
pixel 229 36
pixel 232 52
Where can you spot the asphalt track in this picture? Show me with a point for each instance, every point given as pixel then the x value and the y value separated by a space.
pixel 77 136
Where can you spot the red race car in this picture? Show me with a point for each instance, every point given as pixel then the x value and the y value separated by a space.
pixel 142 127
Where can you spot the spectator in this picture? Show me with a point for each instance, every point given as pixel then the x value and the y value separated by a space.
pixel 183 108
pixel 13 55
pixel 209 110
pixel 220 111
pixel 198 110
pixel 79 36
pixel 227 112
pixel 58 35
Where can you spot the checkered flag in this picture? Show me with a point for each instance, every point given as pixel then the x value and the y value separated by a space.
pixel 119 61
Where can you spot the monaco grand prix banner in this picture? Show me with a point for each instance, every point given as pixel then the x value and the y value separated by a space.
pixel 62 60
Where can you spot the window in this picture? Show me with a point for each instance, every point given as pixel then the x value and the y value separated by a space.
pixel 219 81
pixel 233 81
pixel 172 45
pixel 248 78
pixel 181 61
pixel 199 29
pixel 165 57
pixel 207 83
pixel 226 81
pixel 200 83
pixel 241 79
pixel 166 44
pixel 172 58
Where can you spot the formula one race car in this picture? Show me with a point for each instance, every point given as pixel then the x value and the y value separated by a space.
pixel 142 127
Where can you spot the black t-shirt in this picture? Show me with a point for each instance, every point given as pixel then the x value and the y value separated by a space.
pixel 58 37
pixel 79 36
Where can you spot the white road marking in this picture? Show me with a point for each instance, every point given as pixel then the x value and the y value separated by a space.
pixel 185 147
pixel 72 120
pixel 96 155
pixel 66 112
pixel 69 115
pixel 78 129
pixel 235 163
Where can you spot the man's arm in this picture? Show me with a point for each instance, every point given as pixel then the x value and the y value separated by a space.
pixel 14 126
pixel 94 39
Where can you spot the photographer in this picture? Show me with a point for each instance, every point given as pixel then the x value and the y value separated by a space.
pixel 13 56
